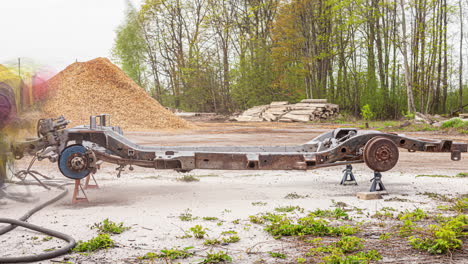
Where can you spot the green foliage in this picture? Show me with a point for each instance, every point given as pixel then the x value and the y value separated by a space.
pixel 110 227
pixel 173 253
pixel 433 176
pixel 337 213
pixel 256 219
pixel 198 231
pixel 129 47
pixel 462 175
pixel 294 195
pixel 367 113
pixel 210 218
pixel 288 209
pixel 187 216
pixel 415 215
pixel 231 239
pixel 216 257
pixel 339 252
pixel 210 242
pixel 277 255
pixel 349 244
pixel 359 257
pixel 102 241
pixel 407 228
pixel 439 239
pixel 455 123
pixel 460 205
pixel 259 203
pixel 385 236
pixel 306 226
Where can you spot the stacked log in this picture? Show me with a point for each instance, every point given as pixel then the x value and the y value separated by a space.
pixel 304 111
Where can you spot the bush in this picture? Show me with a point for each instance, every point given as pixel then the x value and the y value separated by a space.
pixel 367 113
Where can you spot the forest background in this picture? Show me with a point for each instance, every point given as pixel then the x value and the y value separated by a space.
pixel 393 58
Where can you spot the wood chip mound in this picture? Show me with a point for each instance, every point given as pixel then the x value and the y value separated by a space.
pixel 97 87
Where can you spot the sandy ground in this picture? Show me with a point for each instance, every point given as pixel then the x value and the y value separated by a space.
pixel 150 201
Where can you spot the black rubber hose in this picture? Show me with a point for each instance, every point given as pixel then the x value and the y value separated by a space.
pixel 43 256
pixel 15 223
pixel 37 208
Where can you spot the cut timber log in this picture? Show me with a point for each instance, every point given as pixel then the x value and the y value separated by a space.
pixel 249 119
pixel 298 118
pixel 314 101
pixel 279 103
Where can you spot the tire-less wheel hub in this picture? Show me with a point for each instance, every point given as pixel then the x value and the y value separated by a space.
pixel 74 162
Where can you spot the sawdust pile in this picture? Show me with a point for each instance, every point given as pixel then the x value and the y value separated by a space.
pixel 97 87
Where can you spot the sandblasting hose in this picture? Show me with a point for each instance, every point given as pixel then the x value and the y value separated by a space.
pixel 21 222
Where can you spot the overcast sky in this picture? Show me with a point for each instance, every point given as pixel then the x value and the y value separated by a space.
pixel 58 32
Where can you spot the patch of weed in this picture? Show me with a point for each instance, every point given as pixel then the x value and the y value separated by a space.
pixel 231 239
pixel 187 216
pixel 288 209
pixel 439 239
pixel 294 195
pixel 102 241
pixel 47 238
pixel 338 213
pixel 173 253
pixel 188 178
pixel 259 203
pixel 210 242
pixel 256 219
pixel 110 227
pixel 462 175
pixel 385 236
pixel 415 215
pixel 198 231
pixel 437 196
pixel 396 199
pixel 216 257
pixel 433 176
pixel 277 255
pixel 307 226
pixel 210 218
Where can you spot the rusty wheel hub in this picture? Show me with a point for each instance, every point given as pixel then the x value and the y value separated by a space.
pixel 77 162
pixel 381 154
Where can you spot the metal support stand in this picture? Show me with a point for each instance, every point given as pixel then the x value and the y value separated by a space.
pixel 377 181
pixel 348 173
pixel 91 186
pixel 76 192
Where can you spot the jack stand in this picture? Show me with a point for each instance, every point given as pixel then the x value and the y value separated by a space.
pixel 348 172
pixel 75 198
pixel 91 186
pixel 377 180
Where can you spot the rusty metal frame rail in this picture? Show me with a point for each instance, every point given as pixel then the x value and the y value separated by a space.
pixel 333 148
pixel 78 150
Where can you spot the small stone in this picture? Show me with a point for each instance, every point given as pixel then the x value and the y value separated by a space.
pixel 369 195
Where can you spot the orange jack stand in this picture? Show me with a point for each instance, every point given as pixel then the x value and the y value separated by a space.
pixel 75 198
pixel 91 186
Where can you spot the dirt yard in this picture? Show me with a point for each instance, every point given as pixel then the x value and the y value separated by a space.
pixel 151 202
